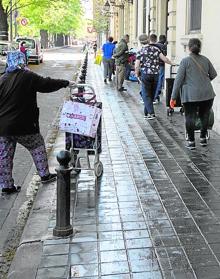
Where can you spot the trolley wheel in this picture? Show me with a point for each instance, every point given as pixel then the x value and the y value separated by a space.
pixel 98 169
pixel 170 111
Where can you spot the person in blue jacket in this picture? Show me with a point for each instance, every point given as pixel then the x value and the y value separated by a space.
pixel 107 59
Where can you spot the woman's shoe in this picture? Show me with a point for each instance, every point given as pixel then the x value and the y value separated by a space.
pixel 191 145
pixel 203 141
pixel 11 190
pixel 49 178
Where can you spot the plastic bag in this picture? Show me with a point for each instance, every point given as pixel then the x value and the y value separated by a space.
pixel 98 58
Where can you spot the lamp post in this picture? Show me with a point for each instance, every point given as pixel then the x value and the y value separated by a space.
pixel 106 7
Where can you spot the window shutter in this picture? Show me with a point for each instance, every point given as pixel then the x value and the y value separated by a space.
pixel 195 14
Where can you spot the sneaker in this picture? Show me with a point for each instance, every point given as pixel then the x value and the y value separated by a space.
pixel 156 101
pixel 49 178
pixel 203 141
pixel 150 116
pixel 11 190
pixel 190 145
pixel 122 89
pixel 109 79
pixel 105 80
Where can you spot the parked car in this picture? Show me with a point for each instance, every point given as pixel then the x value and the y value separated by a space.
pixel 5 46
pixel 35 53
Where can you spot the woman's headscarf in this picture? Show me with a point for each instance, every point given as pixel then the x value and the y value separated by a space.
pixel 15 60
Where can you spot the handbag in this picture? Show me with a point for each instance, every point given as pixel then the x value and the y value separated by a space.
pixel 98 58
pixel 80 118
pixel 210 122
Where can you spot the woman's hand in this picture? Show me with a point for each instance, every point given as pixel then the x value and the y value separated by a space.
pixel 72 84
pixel 172 103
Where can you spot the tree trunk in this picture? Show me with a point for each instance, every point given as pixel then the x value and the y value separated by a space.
pixel 66 40
pixel 3 24
pixel 44 38
pixel 59 40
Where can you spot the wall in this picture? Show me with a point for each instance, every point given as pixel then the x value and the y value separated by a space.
pixel 211 40
pixel 210 37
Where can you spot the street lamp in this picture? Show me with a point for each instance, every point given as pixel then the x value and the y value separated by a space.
pixel 113 2
pixel 106 7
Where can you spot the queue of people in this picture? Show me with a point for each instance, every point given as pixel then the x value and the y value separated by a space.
pixel 18 103
pixel 193 78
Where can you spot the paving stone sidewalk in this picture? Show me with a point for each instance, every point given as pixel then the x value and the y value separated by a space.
pixel 155 212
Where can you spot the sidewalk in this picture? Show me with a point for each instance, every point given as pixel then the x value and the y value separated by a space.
pixel 154 214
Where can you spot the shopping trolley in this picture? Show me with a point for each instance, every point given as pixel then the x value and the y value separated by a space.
pixel 85 151
pixel 198 125
pixel 169 88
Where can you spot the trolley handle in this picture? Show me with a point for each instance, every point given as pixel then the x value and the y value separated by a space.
pixel 91 100
pixel 78 85
pixel 172 72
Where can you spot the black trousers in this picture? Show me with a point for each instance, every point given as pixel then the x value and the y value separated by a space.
pixel 194 110
pixel 148 89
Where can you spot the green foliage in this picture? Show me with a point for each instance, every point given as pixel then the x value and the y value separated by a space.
pixel 100 21
pixel 55 16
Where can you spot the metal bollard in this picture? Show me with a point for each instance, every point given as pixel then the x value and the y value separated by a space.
pixel 63 226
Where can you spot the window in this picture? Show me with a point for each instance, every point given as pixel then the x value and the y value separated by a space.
pixel 195 15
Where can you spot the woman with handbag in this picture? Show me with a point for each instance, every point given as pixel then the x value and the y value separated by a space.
pixel 19 118
pixel 194 78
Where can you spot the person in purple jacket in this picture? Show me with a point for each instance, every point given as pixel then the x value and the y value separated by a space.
pixel 19 118
pixel 108 61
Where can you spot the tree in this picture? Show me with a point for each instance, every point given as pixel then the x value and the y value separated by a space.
pixel 3 22
pixel 55 16
pixel 100 21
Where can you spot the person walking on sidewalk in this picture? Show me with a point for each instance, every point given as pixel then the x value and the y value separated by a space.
pixel 19 118
pixel 160 84
pixel 194 77
pixel 148 64
pixel 95 49
pixel 107 59
pixel 121 59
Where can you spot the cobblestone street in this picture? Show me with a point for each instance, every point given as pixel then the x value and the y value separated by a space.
pixel 155 212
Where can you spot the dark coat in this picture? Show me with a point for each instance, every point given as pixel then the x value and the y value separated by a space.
pixel 121 53
pixel 19 114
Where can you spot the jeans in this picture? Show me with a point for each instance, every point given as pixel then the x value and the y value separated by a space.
pixel 148 87
pixel 127 71
pixel 108 67
pixel 160 82
pixel 194 110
